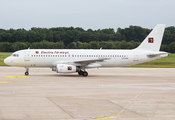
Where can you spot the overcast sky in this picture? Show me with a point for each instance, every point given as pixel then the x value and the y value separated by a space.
pixel 87 14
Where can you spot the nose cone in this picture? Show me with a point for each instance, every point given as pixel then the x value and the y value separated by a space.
pixel 7 61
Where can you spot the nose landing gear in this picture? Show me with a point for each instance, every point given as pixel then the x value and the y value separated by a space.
pixel 27 72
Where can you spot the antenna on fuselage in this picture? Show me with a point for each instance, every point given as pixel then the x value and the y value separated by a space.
pixel 101 48
pixel 28 48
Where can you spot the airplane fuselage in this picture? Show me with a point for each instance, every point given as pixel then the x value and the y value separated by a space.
pixel 52 57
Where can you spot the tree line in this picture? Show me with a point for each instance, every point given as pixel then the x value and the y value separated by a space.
pixel 77 38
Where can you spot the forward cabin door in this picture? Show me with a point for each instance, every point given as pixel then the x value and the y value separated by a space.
pixel 135 56
pixel 27 55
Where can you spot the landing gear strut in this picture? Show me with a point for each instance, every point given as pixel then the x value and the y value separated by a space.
pixel 27 72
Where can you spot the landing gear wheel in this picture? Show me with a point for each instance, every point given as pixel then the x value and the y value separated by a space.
pixel 80 73
pixel 26 73
pixel 85 74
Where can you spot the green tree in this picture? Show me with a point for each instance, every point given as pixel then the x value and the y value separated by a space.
pixel 171 47
pixel 5 47
pixel 94 45
pixel 72 45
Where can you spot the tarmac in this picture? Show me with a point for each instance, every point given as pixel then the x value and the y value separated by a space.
pixel 107 93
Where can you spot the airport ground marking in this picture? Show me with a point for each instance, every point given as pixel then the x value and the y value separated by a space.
pixel 119 114
pixel 20 76
pixel 104 117
pixel 4 82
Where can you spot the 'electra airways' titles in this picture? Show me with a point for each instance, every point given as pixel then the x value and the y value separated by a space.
pixel 69 61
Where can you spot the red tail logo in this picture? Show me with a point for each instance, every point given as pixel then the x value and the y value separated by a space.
pixel 150 40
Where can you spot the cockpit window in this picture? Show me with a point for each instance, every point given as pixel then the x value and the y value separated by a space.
pixel 15 55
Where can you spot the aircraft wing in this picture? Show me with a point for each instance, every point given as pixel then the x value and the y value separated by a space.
pixel 90 62
pixel 82 62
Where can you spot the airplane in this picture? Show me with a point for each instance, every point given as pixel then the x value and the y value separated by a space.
pixel 78 60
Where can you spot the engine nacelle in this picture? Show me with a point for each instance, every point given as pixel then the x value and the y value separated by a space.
pixel 65 68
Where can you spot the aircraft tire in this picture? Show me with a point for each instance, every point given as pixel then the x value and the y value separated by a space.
pixel 80 73
pixel 85 74
pixel 26 73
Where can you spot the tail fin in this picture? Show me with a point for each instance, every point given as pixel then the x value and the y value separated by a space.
pixel 153 40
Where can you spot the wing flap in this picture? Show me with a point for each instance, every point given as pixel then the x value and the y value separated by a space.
pixel 89 61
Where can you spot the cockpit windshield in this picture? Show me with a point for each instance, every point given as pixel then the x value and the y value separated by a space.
pixel 15 55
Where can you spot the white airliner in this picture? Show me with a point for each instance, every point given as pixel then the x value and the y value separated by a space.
pixel 68 60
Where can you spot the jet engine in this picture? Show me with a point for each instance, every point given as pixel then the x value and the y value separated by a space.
pixel 65 68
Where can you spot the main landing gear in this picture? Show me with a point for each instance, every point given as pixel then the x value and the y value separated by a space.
pixel 84 73
pixel 27 72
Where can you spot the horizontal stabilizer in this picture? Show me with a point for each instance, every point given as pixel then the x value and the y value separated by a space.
pixel 158 54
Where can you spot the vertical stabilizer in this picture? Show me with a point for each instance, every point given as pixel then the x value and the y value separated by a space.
pixel 153 40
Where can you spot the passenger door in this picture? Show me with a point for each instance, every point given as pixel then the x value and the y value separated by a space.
pixel 27 55
pixel 135 56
